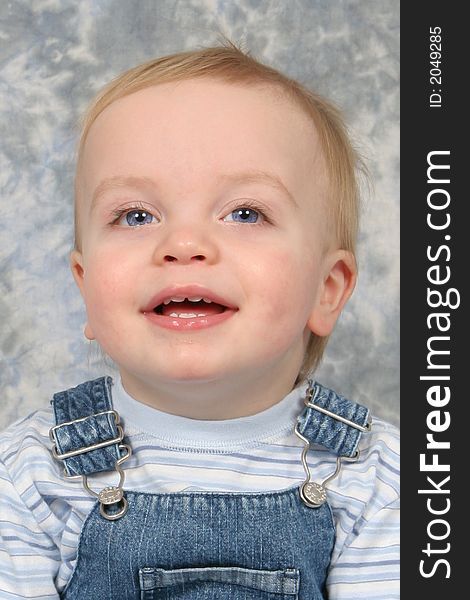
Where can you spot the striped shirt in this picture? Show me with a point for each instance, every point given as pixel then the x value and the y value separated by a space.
pixel 42 513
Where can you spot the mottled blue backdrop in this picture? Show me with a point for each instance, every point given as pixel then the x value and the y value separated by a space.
pixel 55 54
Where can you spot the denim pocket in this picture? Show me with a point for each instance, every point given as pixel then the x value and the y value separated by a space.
pixel 223 583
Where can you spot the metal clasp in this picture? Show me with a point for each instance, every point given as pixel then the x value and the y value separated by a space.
pixel 114 494
pixel 313 494
pixel 110 496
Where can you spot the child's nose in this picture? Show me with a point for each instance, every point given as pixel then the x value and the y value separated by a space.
pixel 185 247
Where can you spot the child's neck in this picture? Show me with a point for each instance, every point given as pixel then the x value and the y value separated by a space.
pixel 214 400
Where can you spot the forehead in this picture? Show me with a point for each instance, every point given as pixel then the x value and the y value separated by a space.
pixel 183 133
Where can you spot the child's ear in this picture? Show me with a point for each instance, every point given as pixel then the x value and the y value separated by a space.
pixel 78 272
pixel 335 289
pixel 76 266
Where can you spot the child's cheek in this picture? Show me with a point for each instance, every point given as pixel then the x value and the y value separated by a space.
pixel 108 284
pixel 287 291
pixel 103 284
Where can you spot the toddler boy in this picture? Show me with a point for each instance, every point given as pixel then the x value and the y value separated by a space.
pixel 216 216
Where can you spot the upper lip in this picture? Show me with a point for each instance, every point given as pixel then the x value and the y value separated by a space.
pixel 191 290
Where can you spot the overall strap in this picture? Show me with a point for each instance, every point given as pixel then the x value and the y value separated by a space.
pixel 332 421
pixel 87 437
pixel 87 434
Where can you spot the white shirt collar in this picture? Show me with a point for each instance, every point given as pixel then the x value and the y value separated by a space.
pixel 228 435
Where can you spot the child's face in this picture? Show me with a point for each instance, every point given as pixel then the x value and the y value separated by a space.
pixel 178 158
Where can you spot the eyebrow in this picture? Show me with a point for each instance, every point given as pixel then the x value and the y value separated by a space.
pixel 252 176
pixel 117 182
pixel 258 176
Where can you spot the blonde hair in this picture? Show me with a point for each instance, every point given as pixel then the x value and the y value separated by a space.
pixel 230 64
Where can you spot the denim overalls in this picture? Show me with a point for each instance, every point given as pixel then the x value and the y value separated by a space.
pixel 200 545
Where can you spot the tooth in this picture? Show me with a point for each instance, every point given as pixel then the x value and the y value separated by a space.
pixel 183 315
pixel 174 299
pixel 190 298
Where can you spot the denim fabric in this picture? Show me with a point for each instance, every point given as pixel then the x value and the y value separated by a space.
pixel 321 429
pixel 284 581
pixel 206 545
pixel 201 545
pixel 86 400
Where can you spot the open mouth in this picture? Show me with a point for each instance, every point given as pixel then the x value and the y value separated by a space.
pixel 189 308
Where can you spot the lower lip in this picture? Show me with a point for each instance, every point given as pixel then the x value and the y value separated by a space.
pixel 189 324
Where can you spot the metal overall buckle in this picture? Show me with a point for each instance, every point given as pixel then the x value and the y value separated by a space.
pixel 110 496
pixel 313 494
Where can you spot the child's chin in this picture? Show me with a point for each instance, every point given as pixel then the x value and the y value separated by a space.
pixel 195 375
pixel 201 373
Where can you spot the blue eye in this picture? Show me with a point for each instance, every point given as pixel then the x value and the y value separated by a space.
pixel 244 215
pixel 134 218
